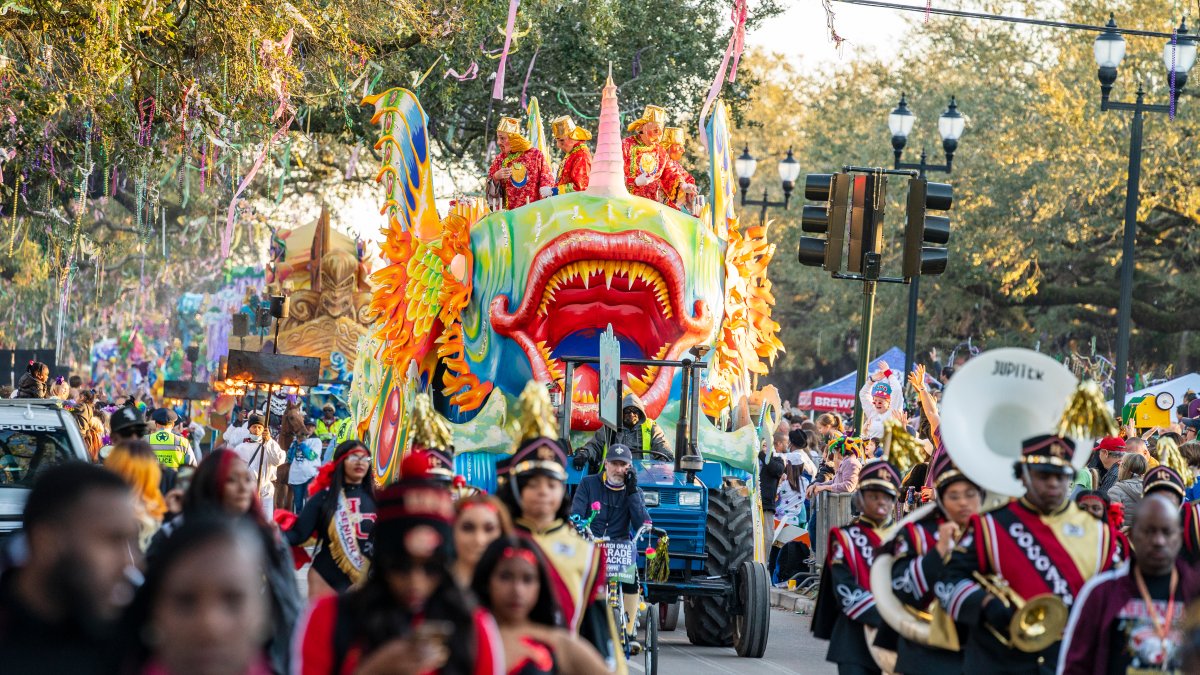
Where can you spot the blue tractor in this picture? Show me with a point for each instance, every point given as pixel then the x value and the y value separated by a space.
pixel 706 501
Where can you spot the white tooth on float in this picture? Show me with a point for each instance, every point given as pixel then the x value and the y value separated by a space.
pixel 610 269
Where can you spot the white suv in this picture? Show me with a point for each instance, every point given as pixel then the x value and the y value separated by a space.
pixel 35 434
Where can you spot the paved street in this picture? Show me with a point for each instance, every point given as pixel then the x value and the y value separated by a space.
pixel 791 649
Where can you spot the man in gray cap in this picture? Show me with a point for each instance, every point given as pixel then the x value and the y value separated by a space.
pixel 622 511
pixel 172 450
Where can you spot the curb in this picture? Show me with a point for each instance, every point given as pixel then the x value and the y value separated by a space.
pixel 792 602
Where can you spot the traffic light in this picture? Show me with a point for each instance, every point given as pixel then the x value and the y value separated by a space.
pixel 867 202
pixel 828 219
pixel 923 228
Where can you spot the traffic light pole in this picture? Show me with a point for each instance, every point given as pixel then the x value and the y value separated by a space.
pixel 914 288
pixel 866 327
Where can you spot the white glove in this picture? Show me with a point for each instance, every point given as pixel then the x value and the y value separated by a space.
pixel 545 192
pixel 641 180
pixel 688 188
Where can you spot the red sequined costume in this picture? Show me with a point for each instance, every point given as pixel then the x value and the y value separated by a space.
pixel 530 173
pixel 673 180
pixel 576 168
pixel 648 159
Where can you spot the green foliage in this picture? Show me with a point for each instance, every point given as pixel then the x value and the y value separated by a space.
pixel 104 182
pixel 1039 182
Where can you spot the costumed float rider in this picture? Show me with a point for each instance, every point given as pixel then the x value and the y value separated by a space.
pixel 577 159
pixel 921 550
pixel 532 484
pixel 645 158
pixel 845 604
pixel 519 168
pixel 679 186
pixel 622 512
pixel 638 432
pixel 1041 543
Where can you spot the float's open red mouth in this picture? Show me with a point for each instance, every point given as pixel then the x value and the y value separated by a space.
pixel 582 281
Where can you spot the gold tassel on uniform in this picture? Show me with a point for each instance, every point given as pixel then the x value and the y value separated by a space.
pixel 535 414
pixel 1168 454
pixel 429 429
pixel 1086 414
pixel 901 448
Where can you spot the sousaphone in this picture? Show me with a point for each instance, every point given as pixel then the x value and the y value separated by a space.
pixel 993 403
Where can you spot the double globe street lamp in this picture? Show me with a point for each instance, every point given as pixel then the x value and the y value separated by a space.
pixel 951 125
pixel 789 170
pixel 1179 55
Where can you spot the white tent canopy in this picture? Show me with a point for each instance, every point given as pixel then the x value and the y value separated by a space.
pixel 1177 388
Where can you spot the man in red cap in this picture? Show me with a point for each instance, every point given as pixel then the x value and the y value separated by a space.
pixel 1110 451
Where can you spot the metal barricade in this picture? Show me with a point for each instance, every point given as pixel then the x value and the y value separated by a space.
pixel 831 510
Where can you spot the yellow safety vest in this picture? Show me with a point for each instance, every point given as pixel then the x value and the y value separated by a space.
pixel 327 431
pixel 344 429
pixel 169 447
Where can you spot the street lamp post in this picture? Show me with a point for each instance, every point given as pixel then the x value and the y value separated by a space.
pixel 789 171
pixel 951 124
pixel 1179 55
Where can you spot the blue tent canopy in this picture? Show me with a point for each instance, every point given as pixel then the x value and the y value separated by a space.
pixel 838 396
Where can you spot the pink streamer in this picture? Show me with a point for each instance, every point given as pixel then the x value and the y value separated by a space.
pixel 353 161
pixel 498 88
pixel 726 73
pixel 527 74
pixel 469 74
pixel 277 84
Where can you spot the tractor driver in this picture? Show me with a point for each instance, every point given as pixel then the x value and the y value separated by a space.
pixel 638 432
pixel 622 511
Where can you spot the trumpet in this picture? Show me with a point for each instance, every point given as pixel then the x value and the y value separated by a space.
pixel 1036 624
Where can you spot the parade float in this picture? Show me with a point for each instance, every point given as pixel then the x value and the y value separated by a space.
pixel 330 295
pixel 474 304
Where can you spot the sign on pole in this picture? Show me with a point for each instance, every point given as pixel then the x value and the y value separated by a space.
pixel 610 379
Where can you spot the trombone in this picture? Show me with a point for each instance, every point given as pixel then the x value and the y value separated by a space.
pixel 1036 624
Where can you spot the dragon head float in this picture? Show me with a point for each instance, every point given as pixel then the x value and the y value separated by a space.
pixel 474 305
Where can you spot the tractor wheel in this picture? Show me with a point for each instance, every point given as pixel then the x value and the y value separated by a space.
pixel 750 628
pixel 668 615
pixel 729 543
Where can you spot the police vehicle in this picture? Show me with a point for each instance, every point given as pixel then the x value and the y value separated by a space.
pixel 35 434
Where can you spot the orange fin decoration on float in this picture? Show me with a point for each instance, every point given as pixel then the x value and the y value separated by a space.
pixel 427 281
pixel 747 334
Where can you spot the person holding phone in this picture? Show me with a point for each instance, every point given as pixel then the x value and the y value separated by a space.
pixel 409 611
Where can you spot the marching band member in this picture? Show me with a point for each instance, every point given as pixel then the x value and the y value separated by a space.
pixel 645 158
pixel 577 159
pixel 922 550
pixel 532 484
pixel 1042 543
pixel 1165 480
pixel 519 168
pixel 845 578
pixel 1131 619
